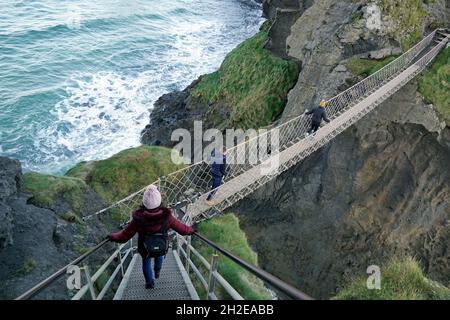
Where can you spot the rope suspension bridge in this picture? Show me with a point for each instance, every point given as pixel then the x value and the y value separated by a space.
pixel 189 187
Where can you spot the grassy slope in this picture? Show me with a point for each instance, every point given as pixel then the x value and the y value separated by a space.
pixel 408 17
pixel 225 231
pixel 112 179
pixel 434 85
pixel 125 172
pixel 366 67
pixel 252 82
pixel 400 280
pixel 45 188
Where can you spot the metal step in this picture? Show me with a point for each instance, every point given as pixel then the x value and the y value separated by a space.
pixel 173 283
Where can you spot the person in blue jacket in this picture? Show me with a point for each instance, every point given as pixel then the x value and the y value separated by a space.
pixel 218 171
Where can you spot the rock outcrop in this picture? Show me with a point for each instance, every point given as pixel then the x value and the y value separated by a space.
pixel 381 189
pixel 325 36
pixel 36 241
pixel 9 184
pixel 22 225
pixel 179 110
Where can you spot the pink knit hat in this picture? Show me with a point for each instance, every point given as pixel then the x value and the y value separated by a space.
pixel 152 197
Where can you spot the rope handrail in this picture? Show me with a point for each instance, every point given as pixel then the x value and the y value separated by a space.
pixel 189 183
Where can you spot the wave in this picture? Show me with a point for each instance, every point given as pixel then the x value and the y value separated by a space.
pixel 87 94
pixel 74 25
pixel 104 109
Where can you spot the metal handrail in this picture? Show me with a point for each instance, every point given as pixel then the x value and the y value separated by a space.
pixel 49 280
pixel 263 275
pixel 277 283
pixel 118 253
pixel 219 278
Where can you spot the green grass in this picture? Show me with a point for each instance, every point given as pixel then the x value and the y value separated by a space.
pixel 401 279
pixel 45 188
pixel 224 230
pixel 102 279
pixel 434 85
pixel 27 266
pixel 126 172
pixel 366 67
pixel 79 238
pixel 70 216
pixel 252 82
pixel 408 17
pixel 357 15
pixel 80 249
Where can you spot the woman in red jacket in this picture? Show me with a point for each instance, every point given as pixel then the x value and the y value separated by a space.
pixel 150 219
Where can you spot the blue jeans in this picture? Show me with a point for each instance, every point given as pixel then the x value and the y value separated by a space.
pixel 147 267
pixel 216 182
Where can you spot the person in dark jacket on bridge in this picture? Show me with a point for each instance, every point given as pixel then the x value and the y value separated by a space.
pixel 150 219
pixel 218 171
pixel 318 114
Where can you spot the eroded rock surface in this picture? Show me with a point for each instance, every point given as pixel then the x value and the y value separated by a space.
pixel 381 189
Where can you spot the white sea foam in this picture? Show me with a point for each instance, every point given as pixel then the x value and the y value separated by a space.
pixel 104 112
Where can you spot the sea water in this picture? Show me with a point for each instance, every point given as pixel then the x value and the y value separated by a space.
pixel 78 78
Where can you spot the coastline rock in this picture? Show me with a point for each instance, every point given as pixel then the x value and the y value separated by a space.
pixel 36 241
pixel 378 190
pixel 10 171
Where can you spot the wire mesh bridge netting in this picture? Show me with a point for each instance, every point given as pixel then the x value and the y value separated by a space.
pixel 249 168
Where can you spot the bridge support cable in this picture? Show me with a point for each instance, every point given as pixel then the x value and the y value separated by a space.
pixel 190 185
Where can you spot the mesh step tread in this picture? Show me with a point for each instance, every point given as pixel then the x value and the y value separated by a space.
pixel 169 286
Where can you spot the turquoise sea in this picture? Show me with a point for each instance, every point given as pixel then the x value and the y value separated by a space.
pixel 78 78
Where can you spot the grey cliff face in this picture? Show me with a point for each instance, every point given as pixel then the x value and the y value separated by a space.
pixel 381 189
pixel 25 233
pixel 34 241
pixel 9 183
pixel 323 38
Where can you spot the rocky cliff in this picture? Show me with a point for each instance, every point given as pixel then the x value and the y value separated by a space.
pixel 37 240
pixel 379 190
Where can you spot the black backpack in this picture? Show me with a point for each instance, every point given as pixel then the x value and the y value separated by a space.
pixel 156 244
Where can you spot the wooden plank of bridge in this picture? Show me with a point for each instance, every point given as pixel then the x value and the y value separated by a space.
pixel 173 283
